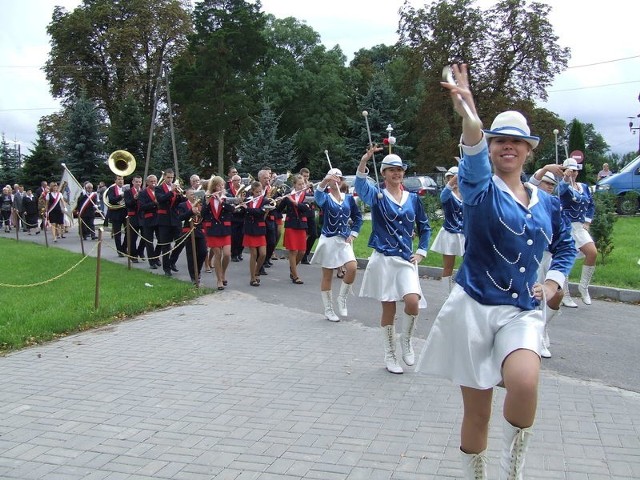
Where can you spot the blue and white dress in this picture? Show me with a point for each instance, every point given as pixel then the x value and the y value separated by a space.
pixel 450 238
pixel 389 275
pixel 341 218
pixel 578 208
pixel 491 310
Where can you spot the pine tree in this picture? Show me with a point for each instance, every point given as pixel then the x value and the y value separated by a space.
pixel 10 167
pixel 262 147
pixel 82 144
pixel 41 164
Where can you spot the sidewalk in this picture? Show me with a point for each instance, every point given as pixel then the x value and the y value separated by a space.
pixel 231 387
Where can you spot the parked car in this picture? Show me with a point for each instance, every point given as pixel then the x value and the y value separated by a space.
pixel 626 180
pixel 350 179
pixel 421 184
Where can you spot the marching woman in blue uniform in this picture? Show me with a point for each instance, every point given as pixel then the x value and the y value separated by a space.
pixel 391 275
pixel 489 330
pixel 450 239
pixel 341 223
pixel 578 209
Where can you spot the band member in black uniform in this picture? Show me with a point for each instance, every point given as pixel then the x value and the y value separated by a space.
pixel 87 205
pixel 30 210
pixel 264 177
pixel 295 226
pixel 133 216
pixel 169 226
pixel 312 226
pixel 117 213
pixel 187 210
pixel 237 219
pixel 148 208
pixel 255 230
pixel 216 215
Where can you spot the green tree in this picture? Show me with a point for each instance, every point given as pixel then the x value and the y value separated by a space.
pixel 577 142
pixel 511 49
pixel 262 146
pixel 114 49
pixel 215 84
pixel 602 225
pixel 10 163
pixel 42 163
pixel 311 87
pixel 82 144
pixel 129 129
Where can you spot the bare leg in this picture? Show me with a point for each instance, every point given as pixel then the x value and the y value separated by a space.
pixel 448 262
pixel 475 422
pixel 388 313
pixel 521 371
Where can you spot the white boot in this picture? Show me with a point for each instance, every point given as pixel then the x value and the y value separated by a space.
pixel 516 441
pixel 449 282
pixel 567 301
pixel 341 301
pixel 327 300
pixel 474 465
pixel 583 286
pixel 408 325
pixel 390 359
pixel 546 343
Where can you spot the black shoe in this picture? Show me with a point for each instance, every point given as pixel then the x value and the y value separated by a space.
pixel 85 238
pixel 120 254
pixel 240 258
pixel 234 259
pixel 167 273
pixel 267 265
pixel 174 268
pixel 157 262
pixel 263 271
pixel 135 260
pixel 153 266
pixel 94 238
pixel 305 260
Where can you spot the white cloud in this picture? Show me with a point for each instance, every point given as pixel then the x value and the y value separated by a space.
pixel 601 35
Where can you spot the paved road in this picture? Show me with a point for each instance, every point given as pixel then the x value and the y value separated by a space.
pixel 250 384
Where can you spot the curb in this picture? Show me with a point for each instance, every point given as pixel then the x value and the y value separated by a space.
pixel 596 291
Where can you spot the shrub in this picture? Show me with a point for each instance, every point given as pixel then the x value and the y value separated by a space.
pixel 602 225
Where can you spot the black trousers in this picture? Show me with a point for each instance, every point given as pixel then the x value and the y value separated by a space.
pixel 201 255
pixel 312 231
pixel 150 234
pixel 237 232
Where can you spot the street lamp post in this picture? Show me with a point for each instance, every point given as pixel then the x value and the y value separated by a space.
pixel 555 134
pixel 633 129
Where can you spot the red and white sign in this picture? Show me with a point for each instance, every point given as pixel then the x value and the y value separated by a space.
pixel 577 155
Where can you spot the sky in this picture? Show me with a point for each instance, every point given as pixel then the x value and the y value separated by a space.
pixel 601 85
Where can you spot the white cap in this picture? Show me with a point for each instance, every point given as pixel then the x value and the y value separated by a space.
pixel 451 172
pixel 335 171
pixel 571 164
pixel 549 178
pixel 392 160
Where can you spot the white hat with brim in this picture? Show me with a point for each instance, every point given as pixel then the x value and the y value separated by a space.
pixel 549 178
pixel 335 171
pixel 570 164
pixel 512 124
pixel 392 160
pixel 451 172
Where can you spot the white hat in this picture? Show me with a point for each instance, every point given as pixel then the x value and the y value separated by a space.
pixel 335 171
pixel 571 164
pixel 549 178
pixel 512 124
pixel 392 160
pixel 451 172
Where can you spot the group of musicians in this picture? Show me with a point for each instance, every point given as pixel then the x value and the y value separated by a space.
pixel 225 216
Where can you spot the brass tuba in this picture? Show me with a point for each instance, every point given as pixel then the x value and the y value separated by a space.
pixel 121 163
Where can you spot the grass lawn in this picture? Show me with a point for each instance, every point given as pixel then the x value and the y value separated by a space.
pixel 59 306
pixel 619 270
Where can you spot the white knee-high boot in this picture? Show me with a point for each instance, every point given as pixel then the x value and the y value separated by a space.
pixel 546 343
pixel 585 280
pixel 390 359
pixel 327 300
pixel 516 441
pixel 567 301
pixel 341 301
pixel 474 465
pixel 449 281
pixel 408 326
